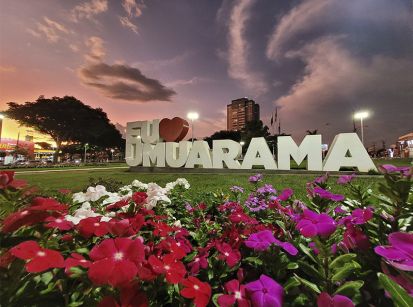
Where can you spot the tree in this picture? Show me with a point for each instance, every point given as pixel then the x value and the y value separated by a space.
pixel 224 135
pixel 66 119
pixel 44 145
pixel 254 129
pixel 312 132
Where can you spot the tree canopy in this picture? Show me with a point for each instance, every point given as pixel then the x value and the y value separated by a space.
pixel 224 135
pixel 66 119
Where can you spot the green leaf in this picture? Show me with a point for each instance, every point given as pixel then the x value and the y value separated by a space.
pixel 345 271
pixel 254 260
pixel 341 260
pixel 310 270
pixel 350 288
pixel 46 277
pixel 291 283
pixel 308 284
pixel 308 252
pixel 397 293
pixel 292 266
pixel 215 299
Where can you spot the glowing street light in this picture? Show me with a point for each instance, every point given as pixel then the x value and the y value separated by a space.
pixel 192 116
pixel 86 145
pixel 361 115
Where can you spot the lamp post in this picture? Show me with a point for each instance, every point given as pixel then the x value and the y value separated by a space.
pixel 242 143
pixel 192 116
pixel 112 150
pixel 361 115
pixel 1 124
pixel 86 145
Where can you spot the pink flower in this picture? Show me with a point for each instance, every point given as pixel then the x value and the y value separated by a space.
pixel 354 238
pixel 263 239
pixel 40 259
pixel 400 253
pixel 235 294
pixel 74 260
pixel 265 292
pixel 231 256
pixel 325 300
pixel 327 194
pixel 358 217
pixel 115 261
pixel 346 179
pixel 312 224
pixel 197 290
pixel 58 222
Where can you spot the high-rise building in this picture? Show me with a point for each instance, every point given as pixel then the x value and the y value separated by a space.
pixel 240 112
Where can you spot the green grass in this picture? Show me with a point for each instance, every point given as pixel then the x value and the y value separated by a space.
pixel 77 180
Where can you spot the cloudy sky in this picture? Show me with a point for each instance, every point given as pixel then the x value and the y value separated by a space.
pixel 317 60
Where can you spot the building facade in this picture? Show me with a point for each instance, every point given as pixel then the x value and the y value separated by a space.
pixel 240 112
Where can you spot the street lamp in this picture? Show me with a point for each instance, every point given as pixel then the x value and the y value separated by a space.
pixel 112 150
pixel 361 115
pixel 86 145
pixel 192 116
pixel 1 124
pixel 242 143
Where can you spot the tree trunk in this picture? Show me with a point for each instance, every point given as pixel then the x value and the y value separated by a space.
pixel 56 153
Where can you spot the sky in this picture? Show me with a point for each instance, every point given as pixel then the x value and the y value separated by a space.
pixel 318 61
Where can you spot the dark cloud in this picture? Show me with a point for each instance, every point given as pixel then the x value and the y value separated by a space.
pixel 124 82
pixel 322 60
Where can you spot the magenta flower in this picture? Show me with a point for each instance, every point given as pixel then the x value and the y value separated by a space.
pixel 325 300
pixel 400 253
pixel 327 194
pixel 266 189
pixel 388 169
pixel 312 224
pixel 286 194
pixel 237 189
pixel 255 178
pixel 199 262
pixel 346 179
pixel 354 238
pixel 358 217
pixel 262 240
pixel 265 292
pixel 236 294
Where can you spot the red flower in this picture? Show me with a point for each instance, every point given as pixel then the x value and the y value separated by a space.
pixel 39 210
pixel 7 181
pixel 6 259
pixel 21 218
pixel 174 270
pixel 126 226
pixel 236 293
pixel 58 222
pixel 199 262
pixel 40 259
pixel 50 204
pixel 130 296
pixel 161 229
pixel 238 216
pixel 76 260
pixel 118 205
pixel 231 256
pixel 139 197
pixel 93 226
pixel 115 261
pixel 175 249
pixel 197 290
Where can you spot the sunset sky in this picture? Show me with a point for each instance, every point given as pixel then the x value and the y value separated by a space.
pixel 317 60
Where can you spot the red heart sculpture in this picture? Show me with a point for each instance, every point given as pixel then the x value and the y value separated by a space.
pixel 173 130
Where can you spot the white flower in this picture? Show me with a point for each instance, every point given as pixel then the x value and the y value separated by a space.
pixel 155 194
pixel 140 185
pixel 113 198
pixel 95 193
pixel 180 181
pixel 177 223
pixel 79 197
pixel 82 213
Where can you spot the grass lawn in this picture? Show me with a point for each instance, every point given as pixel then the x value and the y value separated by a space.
pixel 77 180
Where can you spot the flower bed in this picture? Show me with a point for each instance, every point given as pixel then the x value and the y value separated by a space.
pixel 150 245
